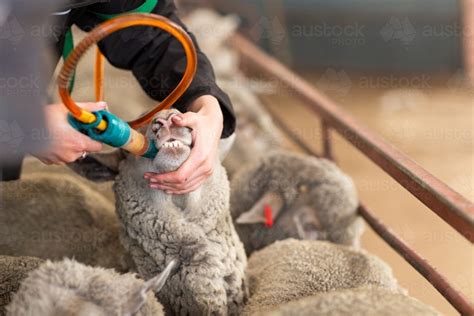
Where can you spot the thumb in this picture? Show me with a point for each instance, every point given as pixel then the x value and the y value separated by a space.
pixel 188 119
pixel 93 106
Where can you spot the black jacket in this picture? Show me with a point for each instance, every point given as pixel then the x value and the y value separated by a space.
pixel 155 58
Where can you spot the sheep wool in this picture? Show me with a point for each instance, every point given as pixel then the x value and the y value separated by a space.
pixel 12 271
pixel 70 288
pixel 364 301
pixel 310 199
pixel 195 229
pixel 52 216
pixel 292 269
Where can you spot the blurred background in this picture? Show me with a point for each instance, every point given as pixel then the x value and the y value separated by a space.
pixel 404 69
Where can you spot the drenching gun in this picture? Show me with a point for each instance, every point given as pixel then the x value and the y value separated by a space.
pixel 103 126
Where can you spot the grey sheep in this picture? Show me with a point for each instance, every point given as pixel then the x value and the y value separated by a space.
pixel 292 269
pixel 71 288
pixel 195 229
pixel 12 272
pixel 309 198
pixel 364 301
pixel 52 216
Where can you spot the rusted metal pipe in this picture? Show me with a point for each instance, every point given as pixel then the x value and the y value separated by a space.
pixel 452 207
pixel 440 282
pixel 327 144
pixel 391 160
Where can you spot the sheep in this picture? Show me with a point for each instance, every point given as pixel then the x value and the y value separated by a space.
pixel 292 269
pixel 195 229
pixel 370 301
pixel 68 287
pixel 33 167
pixel 52 216
pixel 310 198
pixel 12 271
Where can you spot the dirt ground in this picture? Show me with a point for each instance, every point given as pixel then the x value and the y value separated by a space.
pixel 434 125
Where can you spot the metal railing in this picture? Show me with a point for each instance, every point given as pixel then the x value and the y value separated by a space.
pixel 453 208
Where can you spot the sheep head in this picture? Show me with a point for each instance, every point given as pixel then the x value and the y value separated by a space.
pixel 294 196
pixel 71 288
pixel 173 142
pixel 174 145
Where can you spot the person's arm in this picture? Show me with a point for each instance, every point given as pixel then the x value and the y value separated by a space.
pixel 158 61
pixel 156 58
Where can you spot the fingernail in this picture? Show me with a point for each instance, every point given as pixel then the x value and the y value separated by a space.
pixel 146 176
pixel 168 192
pixel 102 104
pixel 177 118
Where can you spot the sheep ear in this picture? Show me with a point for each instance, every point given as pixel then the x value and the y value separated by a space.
pixel 307 224
pixel 257 213
pixel 138 298
pixel 348 232
pixel 98 166
pixel 157 283
pixel 225 145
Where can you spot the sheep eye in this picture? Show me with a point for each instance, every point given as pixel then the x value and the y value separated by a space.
pixel 303 188
pixel 156 126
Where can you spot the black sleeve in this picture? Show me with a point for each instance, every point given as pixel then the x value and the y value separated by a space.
pixel 156 58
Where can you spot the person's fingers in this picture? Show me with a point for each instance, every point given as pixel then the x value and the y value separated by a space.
pixel 191 186
pixel 90 145
pixel 189 119
pixel 203 171
pixel 184 173
pixel 86 143
pixel 180 186
pixel 93 106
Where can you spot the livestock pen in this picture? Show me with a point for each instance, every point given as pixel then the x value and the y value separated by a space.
pixel 335 121
pixel 449 205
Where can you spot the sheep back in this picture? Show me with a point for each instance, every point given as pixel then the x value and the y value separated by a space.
pixel 52 216
pixel 364 301
pixel 68 287
pixel 292 269
pixel 12 271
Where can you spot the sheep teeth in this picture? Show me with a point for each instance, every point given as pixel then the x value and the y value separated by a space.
pixel 173 144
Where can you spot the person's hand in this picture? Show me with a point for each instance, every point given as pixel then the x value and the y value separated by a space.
pixel 206 121
pixel 67 144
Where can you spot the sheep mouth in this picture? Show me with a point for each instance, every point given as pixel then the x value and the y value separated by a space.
pixel 174 143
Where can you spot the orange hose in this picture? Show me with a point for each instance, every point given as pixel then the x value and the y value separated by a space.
pixel 109 27
pixel 99 76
